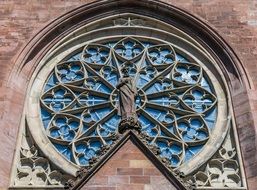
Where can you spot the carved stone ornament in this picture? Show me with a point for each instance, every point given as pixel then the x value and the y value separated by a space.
pixel 160 89
pixel 36 170
pixel 129 22
pixel 222 170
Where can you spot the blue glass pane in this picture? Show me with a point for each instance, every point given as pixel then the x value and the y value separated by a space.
pixel 156 114
pixel 210 118
pixel 181 59
pixel 75 57
pixel 111 125
pixel 91 100
pixel 87 151
pixel 46 117
pixel 52 81
pixel 192 151
pixel 98 114
pixel 96 55
pixel 66 152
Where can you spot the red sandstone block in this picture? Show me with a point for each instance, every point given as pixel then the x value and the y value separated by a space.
pixel 244 118
pixel 90 182
pixel 130 147
pixel 251 171
pixel 159 180
pixel 252 183
pixel 140 164
pixel 130 187
pixel 132 156
pixel 113 180
pixel 117 163
pixel 108 170
pixel 129 171
pixel 139 179
pixel 160 186
pixel 98 188
pixel 100 180
pixel 152 172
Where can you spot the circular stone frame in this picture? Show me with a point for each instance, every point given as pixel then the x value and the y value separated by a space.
pixel 101 30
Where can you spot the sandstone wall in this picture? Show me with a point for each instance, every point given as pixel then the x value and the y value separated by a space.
pixel 20 20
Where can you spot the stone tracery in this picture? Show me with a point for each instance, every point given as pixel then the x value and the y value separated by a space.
pixel 177 104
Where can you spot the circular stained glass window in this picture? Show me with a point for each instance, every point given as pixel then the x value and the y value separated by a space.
pixel 176 104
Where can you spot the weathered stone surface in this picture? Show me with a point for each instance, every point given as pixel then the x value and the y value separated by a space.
pixel 20 20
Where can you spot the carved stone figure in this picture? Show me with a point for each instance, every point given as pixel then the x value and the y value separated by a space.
pixel 126 108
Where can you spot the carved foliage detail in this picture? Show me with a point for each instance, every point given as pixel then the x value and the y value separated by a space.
pixel 222 170
pixel 35 170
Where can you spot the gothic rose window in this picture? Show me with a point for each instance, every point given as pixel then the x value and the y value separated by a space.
pixel 120 77
pixel 175 103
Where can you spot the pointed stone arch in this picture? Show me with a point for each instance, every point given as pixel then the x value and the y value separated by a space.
pixel 206 39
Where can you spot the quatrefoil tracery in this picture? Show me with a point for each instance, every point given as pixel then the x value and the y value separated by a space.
pixel 174 100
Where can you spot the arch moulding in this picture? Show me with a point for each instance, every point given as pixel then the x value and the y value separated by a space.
pixel 227 62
